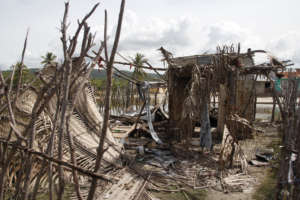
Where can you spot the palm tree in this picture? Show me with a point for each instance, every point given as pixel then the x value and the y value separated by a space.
pixel 138 73
pixel 27 76
pixel 49 58
pixel 138 62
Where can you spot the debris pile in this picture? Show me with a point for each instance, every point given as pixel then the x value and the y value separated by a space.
pixel 53 135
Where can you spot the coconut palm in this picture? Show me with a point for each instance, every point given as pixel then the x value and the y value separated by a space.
pixel 27 76
pixel 138 73
pixel 138 62
pixel 49 58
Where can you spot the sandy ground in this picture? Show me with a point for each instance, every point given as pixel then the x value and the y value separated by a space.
pixel 249 147
pixel 216 195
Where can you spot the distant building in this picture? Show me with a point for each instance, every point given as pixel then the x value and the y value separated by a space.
pixel 288 74
pixel 157 87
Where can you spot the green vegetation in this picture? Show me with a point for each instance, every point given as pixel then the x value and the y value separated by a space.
pixel 49 58
pixel 69 189
pixel 27 75
pixel 45 196
pixel 96 74
pixel 98 79
pixel 99 84
pixel 139 61
pixel 181 195
pixel 266 189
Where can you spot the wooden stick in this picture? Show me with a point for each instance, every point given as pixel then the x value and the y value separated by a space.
pixel 107 101
pixel 144 67
pixel 73 42
pixel 139 116
pixel 156 71
pixel 86 45
pixel 105 36
pixel 57 161
pixel 67 66
pixel 21 68
pixel 141 189
pixel 51 144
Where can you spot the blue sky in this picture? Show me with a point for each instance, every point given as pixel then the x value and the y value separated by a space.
pixel 183 27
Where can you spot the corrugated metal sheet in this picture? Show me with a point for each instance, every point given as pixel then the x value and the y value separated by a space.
pixel 247 62
pixel 204 60
pixel 207 59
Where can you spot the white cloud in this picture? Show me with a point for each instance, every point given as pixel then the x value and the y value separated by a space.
pixel 181 35
pixel 228 32
pixel 287 46
pixel 153 33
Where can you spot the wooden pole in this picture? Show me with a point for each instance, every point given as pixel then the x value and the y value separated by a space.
pixel 100 149
pixel 222 110
pixel 273 109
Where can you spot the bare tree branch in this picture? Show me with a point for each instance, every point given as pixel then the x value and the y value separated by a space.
pixel 21 67
pixel 67 69
pixel 60 162
pixel 100 148
pixel 105 36
pixel 73 42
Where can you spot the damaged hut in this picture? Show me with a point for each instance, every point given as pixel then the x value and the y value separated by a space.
pixel 229 77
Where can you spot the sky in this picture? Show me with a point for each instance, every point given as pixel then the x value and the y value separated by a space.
pixel 183 27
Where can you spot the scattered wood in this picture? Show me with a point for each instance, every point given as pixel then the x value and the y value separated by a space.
pixel 240 126
pixel 57 161
pixel 258 163
pixel 63 114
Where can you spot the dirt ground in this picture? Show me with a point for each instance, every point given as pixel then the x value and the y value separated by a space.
pixel 266 139
pixel 235 184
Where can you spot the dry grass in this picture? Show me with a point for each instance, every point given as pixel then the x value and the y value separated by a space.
pixel 266 189
pixel 181 195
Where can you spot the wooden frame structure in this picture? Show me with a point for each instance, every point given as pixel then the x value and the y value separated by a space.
pixel 231 76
